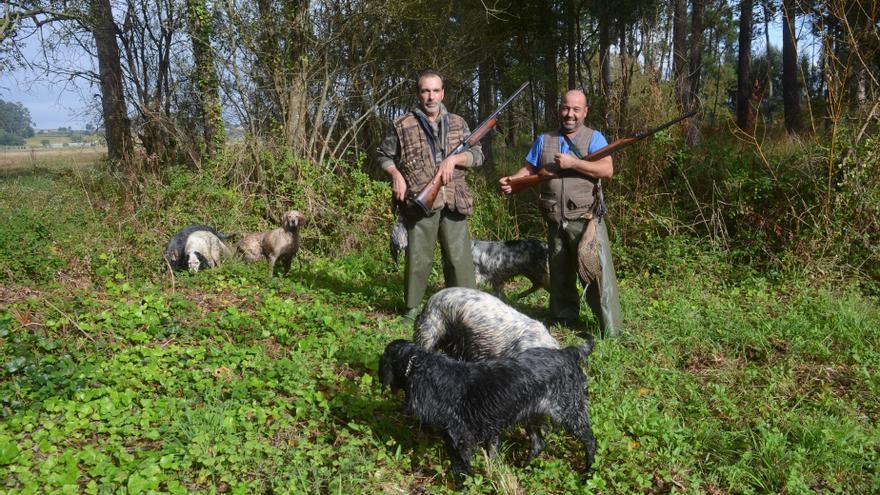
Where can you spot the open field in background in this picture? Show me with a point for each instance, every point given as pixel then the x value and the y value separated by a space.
pixel 60 137
pixel 14 162
pixel 119 378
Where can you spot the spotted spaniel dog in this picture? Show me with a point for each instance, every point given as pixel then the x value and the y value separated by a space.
pixel 497 262
pixel 470 324
pixel 194 247
pixel 472 402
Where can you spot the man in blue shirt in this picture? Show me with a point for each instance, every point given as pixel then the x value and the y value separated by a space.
pixel 572 204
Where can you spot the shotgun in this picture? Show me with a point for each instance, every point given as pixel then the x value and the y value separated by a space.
pixel 425 199
pixel 520 183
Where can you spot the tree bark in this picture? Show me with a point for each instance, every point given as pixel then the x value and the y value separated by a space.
pixel 605 68
pixel 790 87
pixel 486 104
pixel 744 114
pixel 624 78
pixel 768 85
pixel 551 81
pixel 117 127
pixel 207 82
pixel 679 54
pixel 695 77
pixel 571 29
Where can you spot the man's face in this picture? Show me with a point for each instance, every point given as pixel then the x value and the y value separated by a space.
pixel 572 112
pixel 431 94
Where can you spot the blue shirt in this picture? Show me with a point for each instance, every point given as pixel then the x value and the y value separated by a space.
pixel 597 142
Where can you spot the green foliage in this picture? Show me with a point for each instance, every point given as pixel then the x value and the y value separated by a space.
pixel 15 123
pixel 733 375
pixel 27 253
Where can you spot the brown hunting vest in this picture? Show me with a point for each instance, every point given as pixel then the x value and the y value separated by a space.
pixel 418 166
pixel 571 196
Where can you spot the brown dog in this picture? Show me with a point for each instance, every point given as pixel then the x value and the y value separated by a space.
pixel 278 246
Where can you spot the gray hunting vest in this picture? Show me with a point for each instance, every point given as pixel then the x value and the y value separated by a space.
pixel 418 166
pixel 571 196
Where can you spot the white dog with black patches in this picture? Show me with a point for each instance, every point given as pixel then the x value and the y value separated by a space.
pixel 203 250
pixel 196 247
pixel 472 325
pixel 497 262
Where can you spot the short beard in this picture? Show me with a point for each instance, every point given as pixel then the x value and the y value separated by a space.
pixel 568 130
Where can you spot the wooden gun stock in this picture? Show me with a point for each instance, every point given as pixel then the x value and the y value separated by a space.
pixel 425 199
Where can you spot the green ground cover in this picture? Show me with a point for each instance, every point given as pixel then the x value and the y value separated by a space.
pixel 117 378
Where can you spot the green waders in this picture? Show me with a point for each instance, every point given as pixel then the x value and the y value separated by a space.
pixel 601 295
pixel 455 246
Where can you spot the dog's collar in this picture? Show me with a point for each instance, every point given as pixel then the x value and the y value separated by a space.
pixel 409 365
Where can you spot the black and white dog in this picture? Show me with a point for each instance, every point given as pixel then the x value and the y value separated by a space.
pixel 472 402
pixel 497 262
pixel 470 324
pixel 196 246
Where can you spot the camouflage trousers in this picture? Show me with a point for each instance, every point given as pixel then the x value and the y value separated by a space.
pixel 601 295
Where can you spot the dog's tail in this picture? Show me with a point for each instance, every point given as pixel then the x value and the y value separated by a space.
pixel 582 351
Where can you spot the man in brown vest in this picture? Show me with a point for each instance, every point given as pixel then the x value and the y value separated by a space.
pixel 569 204
pixel 414 149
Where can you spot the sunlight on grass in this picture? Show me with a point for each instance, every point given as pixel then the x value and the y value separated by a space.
pixel 727 380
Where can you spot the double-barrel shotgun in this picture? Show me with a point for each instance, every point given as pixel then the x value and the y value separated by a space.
pixel 520 183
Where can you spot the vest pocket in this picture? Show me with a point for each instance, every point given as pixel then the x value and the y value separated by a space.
pixel 464 201
pixel 580 199
pixel 547 202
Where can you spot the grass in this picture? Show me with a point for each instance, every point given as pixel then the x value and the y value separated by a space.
pixel 17 162
pixel 117 378
pixel 55 137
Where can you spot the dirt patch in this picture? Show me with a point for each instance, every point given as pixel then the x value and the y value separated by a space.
pixel 700 363
pixel 16 293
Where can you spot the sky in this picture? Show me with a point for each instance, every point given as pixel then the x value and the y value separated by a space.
pixel 51 105
pixel 53 101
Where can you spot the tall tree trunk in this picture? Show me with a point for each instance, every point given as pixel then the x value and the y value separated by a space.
pixel 768 85
pixel 207 82
pixel 624 79
pixel 790 87
pixel 117 126
pixel 551 80
pixel 744 115
pixel 664 47
pixel 486 105
pixel 266 69
pixel 695 77
pixel 571 19
pixel 605 68
pixel 679 54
